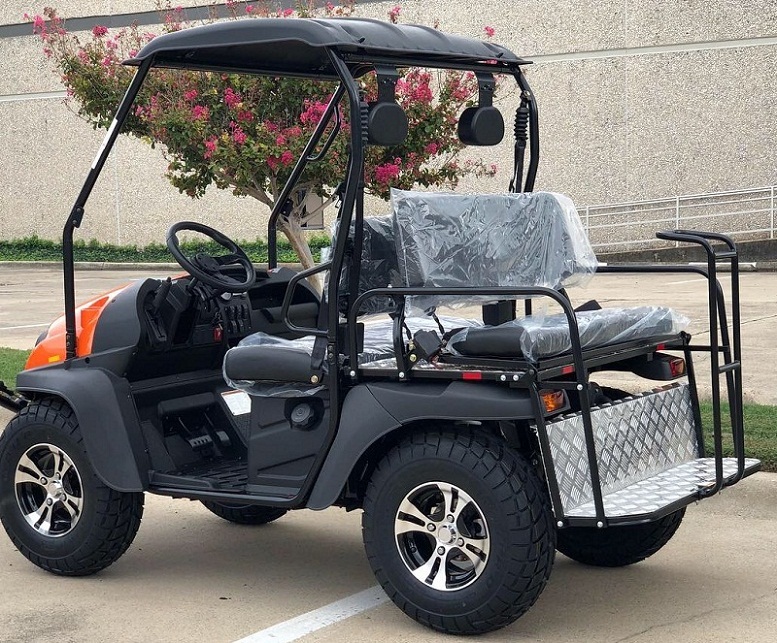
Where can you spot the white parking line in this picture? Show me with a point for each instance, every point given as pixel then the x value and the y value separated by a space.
pixel 693 281
pixel 26 326
pixel 305 624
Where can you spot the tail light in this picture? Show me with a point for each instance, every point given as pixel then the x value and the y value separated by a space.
pixel 553 400
pixel 677 366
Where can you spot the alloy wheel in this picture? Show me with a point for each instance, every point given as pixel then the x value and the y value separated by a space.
pixel 442 536
pixel 49 491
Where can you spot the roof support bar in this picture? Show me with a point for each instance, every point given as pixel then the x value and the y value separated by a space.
pixel 77 213
pixel 281 206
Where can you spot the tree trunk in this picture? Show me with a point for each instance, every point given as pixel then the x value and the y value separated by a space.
pixel 292 228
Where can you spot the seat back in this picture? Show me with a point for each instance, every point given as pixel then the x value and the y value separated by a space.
pixel 489 240
pixel 379 266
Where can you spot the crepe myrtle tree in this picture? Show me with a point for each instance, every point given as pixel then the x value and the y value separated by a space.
pixel 245 133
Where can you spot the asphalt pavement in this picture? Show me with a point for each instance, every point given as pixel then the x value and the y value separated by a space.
pixel 190 576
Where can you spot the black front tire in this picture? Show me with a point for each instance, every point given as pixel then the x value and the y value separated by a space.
pixel 618 546
pixel 244 514
pixel 72 527
pixel 480 524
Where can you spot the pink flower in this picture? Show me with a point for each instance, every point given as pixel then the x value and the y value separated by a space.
pixel 393 14
pixel 38 23
pixel 231 97
pixel 98 31
pixel 191 94
pixel 280 140
pixel 330 6
pixel 387 172
pixel 422 94
pixel 249 8
pixel 270 126
pixel 238 135
pixel 273 162
pixel 210 147
pixel 461 93
pixel 245 116
pixel 287 12
pixel 431 149
pixel 314 110
pixel 200 113
pixel 106 62
pixel 133 53
pixel 490 31
pixel 293 132
pixel 287 158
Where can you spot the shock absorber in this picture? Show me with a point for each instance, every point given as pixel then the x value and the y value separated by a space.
pixel 521 136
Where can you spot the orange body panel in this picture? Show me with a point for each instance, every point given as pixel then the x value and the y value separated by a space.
pixel 52 348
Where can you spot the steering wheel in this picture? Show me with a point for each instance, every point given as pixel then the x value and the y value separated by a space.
pixel 207 269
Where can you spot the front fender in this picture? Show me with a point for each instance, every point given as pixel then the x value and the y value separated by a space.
pixel 106 415
pixel 371 411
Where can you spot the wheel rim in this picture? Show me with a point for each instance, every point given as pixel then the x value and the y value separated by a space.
pixel 442 536
pixel 49 492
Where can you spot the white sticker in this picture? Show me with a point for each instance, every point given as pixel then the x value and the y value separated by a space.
pixel 239 402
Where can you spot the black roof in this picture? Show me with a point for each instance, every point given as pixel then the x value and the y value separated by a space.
pixel 299 46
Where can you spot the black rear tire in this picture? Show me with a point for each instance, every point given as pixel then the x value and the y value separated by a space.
pixel 471 512
pixel 244 514
pixel 618 546
pixel 55 508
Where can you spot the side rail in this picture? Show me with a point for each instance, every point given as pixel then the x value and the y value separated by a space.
pixel 721 342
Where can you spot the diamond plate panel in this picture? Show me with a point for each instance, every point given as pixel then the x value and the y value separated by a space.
pixel 636 439
pixel 662 489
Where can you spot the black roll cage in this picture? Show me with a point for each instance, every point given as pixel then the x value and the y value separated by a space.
pixel 349 67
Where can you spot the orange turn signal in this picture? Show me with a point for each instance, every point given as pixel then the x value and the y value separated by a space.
pixel 553 400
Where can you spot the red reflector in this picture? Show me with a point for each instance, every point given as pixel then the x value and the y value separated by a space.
pixel 660 347
pixel 677 367
pixel 472 375
pixel 566 370
pixel 218 334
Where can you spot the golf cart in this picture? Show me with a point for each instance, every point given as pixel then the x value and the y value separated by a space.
pixel 475 448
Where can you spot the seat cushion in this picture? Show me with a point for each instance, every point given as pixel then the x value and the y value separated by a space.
pixel 265 358
pixel 541 336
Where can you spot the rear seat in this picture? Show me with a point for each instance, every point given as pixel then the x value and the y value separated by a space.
pixel 534 338
pixel 513 240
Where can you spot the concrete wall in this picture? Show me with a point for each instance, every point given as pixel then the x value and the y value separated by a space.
pixel 638 99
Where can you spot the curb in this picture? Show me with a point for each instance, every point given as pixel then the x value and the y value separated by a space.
pixel 105 265
pixel 745 266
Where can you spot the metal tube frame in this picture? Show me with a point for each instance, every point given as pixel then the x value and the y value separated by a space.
pixel 77 212
pixel 306 157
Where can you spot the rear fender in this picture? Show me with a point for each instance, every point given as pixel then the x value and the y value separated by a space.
pixel 372 411
pixel 106 415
